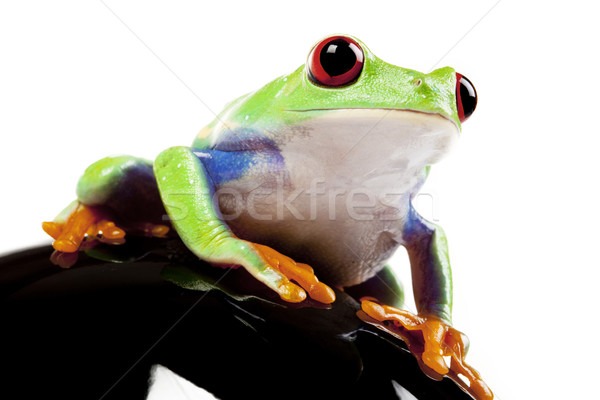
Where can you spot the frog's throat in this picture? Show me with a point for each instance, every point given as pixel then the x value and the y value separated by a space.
pixel 357 140
pixel 390 109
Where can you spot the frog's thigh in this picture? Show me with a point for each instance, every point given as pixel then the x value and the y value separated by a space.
pixel 125 184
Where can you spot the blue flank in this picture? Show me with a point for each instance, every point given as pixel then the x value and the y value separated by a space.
pixel 236 153
pixel 415 226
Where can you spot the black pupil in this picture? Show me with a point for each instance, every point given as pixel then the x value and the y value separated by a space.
pixel 468 96
pixel 337 57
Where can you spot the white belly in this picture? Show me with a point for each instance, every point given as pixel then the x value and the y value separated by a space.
pixel 341 201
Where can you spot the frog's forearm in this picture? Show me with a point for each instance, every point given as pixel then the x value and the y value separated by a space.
pixel 432 276
pixel 187 194
pixel 186 190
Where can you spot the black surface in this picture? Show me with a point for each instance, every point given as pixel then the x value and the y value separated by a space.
pixel 97 328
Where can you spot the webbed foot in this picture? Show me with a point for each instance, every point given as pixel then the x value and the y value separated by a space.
pixel 277 271
pixel 78 226
pixel 430 339
pixel 73 226
pixel 81 222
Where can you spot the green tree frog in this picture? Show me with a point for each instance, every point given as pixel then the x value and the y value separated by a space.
pixel 311 175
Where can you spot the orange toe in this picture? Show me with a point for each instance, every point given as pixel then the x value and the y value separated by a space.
pixel 53 229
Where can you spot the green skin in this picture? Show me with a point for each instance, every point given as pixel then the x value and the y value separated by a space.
pixel 280 111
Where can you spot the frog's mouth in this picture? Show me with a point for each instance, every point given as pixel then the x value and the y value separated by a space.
pixel 387 110
pixel 365 134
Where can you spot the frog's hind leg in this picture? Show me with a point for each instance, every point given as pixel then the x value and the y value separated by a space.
pixel 124 184
pixel 118 189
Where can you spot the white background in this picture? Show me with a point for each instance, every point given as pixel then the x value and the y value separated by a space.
pixel 80 80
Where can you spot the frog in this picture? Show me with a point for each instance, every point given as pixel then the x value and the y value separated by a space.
pixel 307 183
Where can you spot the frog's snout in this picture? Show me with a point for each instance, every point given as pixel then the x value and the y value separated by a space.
pixel 466 97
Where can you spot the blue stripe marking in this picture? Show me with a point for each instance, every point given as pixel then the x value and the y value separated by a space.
pixel 415 226
pixel 239 152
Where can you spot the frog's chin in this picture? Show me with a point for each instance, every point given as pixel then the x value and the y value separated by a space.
pixel 369 139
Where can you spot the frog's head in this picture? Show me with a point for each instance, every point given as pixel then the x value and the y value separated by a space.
pixel 344 93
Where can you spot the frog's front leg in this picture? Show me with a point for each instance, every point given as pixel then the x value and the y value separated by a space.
pixel 187 193
pixel 120 188
pixel 432 285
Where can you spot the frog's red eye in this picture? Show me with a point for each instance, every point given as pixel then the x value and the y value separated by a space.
pixel 466 97
pixel 335 61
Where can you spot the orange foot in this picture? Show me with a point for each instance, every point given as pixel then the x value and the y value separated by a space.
pixel 84 220
pixel 436 340
pixel 88 222
pixel 300 273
